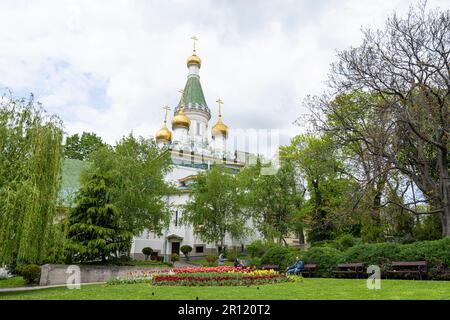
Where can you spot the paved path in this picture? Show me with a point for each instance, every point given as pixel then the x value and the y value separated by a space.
pixel 18 289
pixel 184 264
pixel 177 264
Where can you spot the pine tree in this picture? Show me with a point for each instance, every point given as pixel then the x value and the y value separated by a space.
pixel 94 231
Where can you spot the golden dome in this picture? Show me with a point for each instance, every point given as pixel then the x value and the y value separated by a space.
pixel 181 120
pixel 194 59
pixel 164 134
pixel 220 128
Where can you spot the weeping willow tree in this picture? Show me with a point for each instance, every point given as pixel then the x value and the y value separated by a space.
pixel 30 161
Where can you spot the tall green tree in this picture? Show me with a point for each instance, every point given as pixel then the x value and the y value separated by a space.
pixel 80 147
pixel 274 201
pixel 94 226
pixel 328 189
pixel 30 160
pixel 215 208
pixel 135 168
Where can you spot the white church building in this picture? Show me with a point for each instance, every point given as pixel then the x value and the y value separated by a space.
pixel 194 147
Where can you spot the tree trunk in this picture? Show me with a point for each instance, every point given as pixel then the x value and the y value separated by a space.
pixel 444 180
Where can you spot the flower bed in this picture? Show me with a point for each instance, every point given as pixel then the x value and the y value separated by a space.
pixel 213 276
pixel 223 269
pixel 217 279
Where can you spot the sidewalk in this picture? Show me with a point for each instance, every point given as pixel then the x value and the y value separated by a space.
pixel 184 264
pixel 18 289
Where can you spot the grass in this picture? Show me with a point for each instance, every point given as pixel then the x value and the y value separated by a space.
pixel 336 289
pixel 13 282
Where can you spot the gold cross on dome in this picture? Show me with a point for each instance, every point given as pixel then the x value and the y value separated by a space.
pixel 167 108
pixel 220 102
pixel 194 39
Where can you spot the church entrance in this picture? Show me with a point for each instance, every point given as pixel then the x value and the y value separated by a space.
pixel 176 248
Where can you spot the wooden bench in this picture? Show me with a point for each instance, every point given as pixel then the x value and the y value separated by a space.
pixel 356 269
pixel 309 269
pixel 270 267
pixel 408 267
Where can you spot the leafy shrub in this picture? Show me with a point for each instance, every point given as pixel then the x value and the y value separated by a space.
pixel 326 259
pixel 377 253
pixel 211 259
pixel 254 262
pixel 429 229
pixel 147 251
pixel 174 257
pixel 436 253
pixel 256 249
pixel 345 241
pixel 186 249
pixel 232 254
pixel 31 273
pixel 279 255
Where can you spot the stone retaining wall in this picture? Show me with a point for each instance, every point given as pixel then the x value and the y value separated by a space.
pixel 52 274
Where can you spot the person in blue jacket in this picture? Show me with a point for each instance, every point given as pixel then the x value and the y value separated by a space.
pixel 296 268
pixel 221 260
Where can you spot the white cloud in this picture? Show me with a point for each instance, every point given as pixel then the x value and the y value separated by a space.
pixel 109 66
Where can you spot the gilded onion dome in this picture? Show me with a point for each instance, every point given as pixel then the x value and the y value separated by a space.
pixel 220 128
pixel 194 59
pixel 164 133
pixel 181 120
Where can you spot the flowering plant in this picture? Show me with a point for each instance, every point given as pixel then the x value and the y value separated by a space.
pixel 204 276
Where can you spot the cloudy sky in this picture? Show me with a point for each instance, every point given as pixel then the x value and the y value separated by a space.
pixel 109 66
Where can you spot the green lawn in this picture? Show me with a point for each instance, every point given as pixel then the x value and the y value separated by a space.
pixel 13 282
pixel 346 289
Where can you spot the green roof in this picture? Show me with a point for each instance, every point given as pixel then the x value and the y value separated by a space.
pixel 194 98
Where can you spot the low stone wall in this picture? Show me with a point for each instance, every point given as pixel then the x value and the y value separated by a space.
pixel 52 274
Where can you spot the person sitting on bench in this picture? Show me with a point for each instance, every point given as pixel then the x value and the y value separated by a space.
pixel 296 268
pixel 238 263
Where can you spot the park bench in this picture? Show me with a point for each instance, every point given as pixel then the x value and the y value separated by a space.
pixel 309 269
pixel 270 267
pixel 356 269
pixel 408 267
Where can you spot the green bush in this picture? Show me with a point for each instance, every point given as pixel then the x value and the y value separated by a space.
pixel 212 259
pixel 326 259
pixel 174 257
pixel 254 262
pixel 256 248
pixel 186 249
pixel 30 272
pixel 345 241
pixel 147 251
pixel 232 254
pixel 279 255
pixel 377 253
pixel 436 253
pixel 429 229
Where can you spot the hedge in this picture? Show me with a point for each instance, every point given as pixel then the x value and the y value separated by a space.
pixel 279 255
pixel 326 259
pixel 436 253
